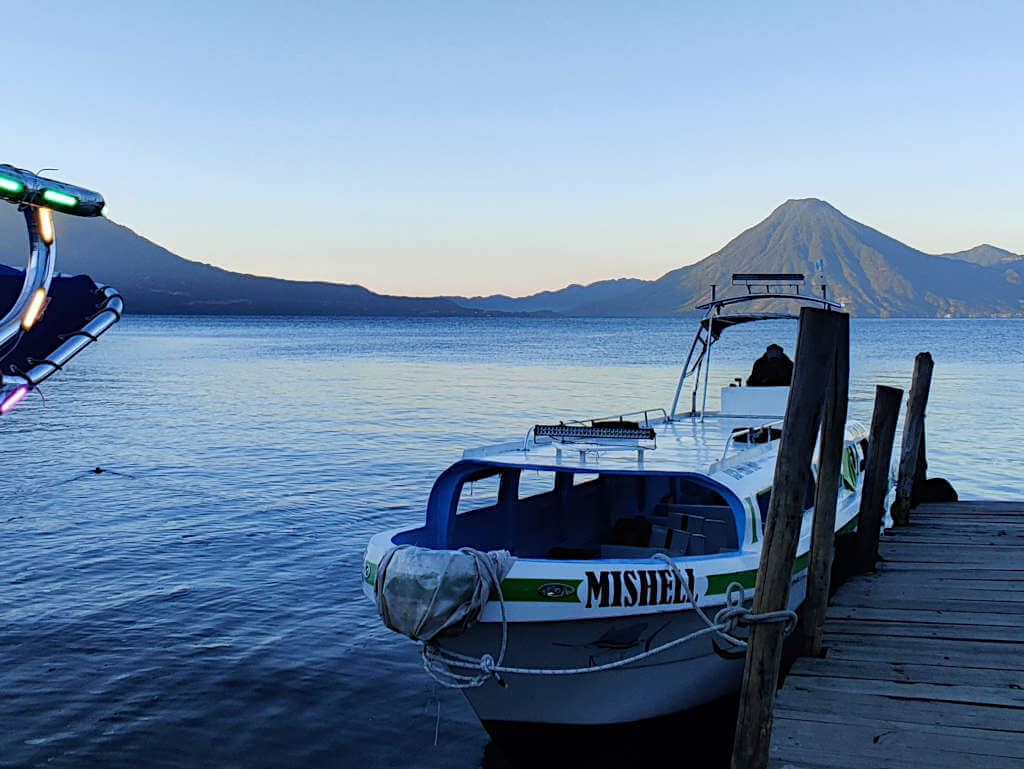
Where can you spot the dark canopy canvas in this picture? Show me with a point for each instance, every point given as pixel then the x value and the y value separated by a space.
pixel 73 300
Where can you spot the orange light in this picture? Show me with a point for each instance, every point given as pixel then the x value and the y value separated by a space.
pixel 46 225
pixel 35 309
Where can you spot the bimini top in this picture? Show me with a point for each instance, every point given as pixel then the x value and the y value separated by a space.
pixel 785 287
pixel 720 323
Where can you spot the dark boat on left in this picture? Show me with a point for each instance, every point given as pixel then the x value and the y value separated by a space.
pixel 52 317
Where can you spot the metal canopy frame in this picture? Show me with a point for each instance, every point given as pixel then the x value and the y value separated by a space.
pixel 36 197
pixel 759 287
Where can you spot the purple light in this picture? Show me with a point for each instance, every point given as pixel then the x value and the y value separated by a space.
pixel 13 399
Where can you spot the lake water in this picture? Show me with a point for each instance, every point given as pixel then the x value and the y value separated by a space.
pixel 199 603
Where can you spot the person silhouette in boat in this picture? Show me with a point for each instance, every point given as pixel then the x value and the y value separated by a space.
pixel 773 369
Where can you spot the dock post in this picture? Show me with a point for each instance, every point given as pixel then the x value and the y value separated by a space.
pixel 823 535
pixel 876 474
pixel 813 367
pixel 913 437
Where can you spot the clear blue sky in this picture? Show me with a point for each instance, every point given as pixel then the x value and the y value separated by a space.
pixel 479 147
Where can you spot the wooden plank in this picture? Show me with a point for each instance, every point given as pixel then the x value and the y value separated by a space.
pixel 925 630
pixel 909 672
pixel 993 655
pixel 1007 534
pixel 973 505
pixel 978 605
pixel 967 572
pixel 968 579
pixel 893 745
pixel 906 710
pixel 917 616
pixel 966 545
pixel 996 742
pixel 1002 697
pixel 988 557
pixel 972 521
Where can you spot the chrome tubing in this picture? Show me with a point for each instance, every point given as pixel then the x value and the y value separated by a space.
pixel 42 254
pixel 37 197
pixel 77 341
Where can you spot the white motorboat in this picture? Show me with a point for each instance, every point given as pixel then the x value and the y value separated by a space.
pixel 583 587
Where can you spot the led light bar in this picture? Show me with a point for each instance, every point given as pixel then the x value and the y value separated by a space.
pixel 35 309
pixel 20 186
pixel 572 433
pixel 60 198
pixel 767 277
pixel 13 399
pixel 13 186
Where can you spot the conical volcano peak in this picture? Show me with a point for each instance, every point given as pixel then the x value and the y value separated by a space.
pixel 803 207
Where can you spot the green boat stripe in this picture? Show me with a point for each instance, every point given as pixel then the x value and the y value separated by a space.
pixel 753 519
pixel 526 589
pixel 848 526
pixel 718 583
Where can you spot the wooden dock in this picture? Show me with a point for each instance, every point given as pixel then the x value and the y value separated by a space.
pixel 925 657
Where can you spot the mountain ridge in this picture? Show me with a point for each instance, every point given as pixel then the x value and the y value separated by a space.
pixel 871 273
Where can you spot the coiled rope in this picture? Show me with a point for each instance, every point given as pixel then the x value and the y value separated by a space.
pixel 439 663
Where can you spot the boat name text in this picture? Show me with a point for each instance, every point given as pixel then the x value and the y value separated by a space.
pixel 643 587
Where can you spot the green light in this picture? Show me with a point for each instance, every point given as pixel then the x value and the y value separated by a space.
pixel 11 185
pixel 61 199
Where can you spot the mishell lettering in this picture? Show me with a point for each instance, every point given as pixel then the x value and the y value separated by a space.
pixel 641 587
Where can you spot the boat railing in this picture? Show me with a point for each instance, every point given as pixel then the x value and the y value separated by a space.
pixel 624 417
pixel 751 436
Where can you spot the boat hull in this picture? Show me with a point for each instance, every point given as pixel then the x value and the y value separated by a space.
pixel 687 676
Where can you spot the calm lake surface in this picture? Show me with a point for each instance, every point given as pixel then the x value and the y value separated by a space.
pixel 199 603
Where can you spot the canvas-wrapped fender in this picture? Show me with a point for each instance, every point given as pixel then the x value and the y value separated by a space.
pixel 422 593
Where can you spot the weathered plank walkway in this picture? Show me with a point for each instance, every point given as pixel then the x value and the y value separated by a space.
pixel 925 657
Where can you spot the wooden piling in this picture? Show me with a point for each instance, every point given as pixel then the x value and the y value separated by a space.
pixel 812 371
pixel 833 431
pixel 876 474
pixel 913 433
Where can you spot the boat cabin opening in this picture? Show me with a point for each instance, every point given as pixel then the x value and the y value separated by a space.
pixel 570 515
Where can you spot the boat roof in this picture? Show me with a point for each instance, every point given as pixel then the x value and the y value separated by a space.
pixel 684 444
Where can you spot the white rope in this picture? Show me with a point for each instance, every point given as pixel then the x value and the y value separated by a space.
pixel 439 662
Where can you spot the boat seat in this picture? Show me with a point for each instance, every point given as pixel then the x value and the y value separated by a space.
pixel 681 542
pixel 716 522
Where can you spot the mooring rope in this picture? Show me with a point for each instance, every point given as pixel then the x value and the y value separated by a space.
pixel 439 662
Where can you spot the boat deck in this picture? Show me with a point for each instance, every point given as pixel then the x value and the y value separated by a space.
pixel 925 657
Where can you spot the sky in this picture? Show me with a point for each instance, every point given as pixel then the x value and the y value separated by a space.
pixel 481 147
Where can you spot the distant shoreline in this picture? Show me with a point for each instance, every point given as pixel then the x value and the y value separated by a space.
pixel 532 316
